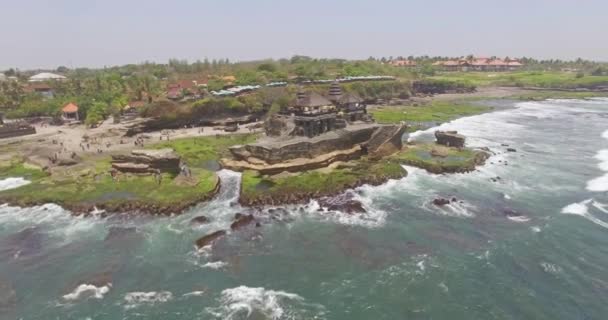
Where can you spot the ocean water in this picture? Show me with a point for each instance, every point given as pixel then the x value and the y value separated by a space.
pixel 404 259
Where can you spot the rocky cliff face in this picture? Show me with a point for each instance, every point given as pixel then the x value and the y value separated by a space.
pixel 301 154
pixel 276 152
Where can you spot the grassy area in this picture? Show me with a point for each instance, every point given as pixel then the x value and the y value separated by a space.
pixel 544 95
pixel 440 159
pixel 197 151
pixel 437 111
pixel 319 182
pixel 94 186
pixel 544 79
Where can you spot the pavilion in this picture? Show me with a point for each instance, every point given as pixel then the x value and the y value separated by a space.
pixel 70 112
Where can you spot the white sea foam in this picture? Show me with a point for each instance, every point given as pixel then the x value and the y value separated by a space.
pixel 12 183
pixel 579 208
pixel 215 265
pixel 536 229
pixel 519 219
pixel 599 184
pixel 245 302
pixel 194 294
pixel 60 222
pixel 551 268
pixel 582 209
pixel 86 291
pixel 600 206
pixel 136 299
pixel 605 134
pixel 443 287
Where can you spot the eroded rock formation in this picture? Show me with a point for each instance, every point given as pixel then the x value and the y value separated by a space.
pixel 147 161
pixel 300 154
pixel 450 138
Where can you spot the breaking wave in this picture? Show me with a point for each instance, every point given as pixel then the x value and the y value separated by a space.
pixel 136 299
pixel 582 209
pixel 86 291
pixel 260 303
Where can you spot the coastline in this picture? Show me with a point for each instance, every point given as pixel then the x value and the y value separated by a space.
pixel 291 197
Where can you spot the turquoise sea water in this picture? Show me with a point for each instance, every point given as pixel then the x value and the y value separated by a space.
pixel 404 259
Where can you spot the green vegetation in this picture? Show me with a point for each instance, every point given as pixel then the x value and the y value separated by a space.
pixel 85 187
pixel 440 159
pixel 541 79
pixel 319 182
pixel 544 95
pixel 197 151
pixel 437 111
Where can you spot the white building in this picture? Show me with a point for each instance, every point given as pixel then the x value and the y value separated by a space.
pixel 46 76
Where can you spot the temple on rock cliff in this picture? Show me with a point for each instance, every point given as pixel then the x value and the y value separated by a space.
pixel 314 114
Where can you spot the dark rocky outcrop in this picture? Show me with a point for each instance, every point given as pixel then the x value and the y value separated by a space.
pixel 199 220
pixel 441 202
pixel 15 130
pixel 210 238
pixel 301 154
pixel 431 86
pixel 511 150
pixel 511 213
pixel 450 138
pixel 342 203
pixel 276 152
pixel 241 220
pixel 147 161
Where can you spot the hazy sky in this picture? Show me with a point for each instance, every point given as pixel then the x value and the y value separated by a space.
pixel 49 33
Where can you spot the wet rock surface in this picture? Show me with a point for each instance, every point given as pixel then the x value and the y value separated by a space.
pixel 441 202
pixel 199 220
pixel 210 238
pixel 343 203
pixel 241 221
pixel 450 138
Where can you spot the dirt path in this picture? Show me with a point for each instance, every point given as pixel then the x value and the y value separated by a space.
pixel 108 138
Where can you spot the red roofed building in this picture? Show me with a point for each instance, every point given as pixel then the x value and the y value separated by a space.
pixel 70 112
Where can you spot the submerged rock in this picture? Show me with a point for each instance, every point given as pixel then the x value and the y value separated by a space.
pixel 210 238
pixel 511 150
pixel 511 213
pixel 8 296
pixel 120 233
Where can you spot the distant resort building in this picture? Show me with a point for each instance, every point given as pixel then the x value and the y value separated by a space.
pixel 42 88
pixel 480 64
pixel 70 112
pixel 46 76
pixel 185 89
pixel 403 63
